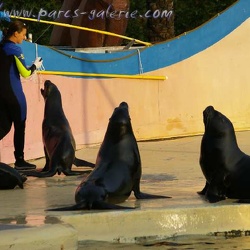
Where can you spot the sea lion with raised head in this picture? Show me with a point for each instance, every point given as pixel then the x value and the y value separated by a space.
pixel 117 171
pixel 58 140
pixel 225 167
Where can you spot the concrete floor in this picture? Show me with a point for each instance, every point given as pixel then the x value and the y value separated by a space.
pixel 169 167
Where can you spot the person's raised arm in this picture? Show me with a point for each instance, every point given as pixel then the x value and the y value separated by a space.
pixel 23 70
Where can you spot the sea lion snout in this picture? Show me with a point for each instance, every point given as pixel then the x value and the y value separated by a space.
pixel 44 91
pixel 208 114
pixel 123 105
pixel 121 114
pixel 208 111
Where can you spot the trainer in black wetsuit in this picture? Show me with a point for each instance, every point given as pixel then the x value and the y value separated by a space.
pixel 13 107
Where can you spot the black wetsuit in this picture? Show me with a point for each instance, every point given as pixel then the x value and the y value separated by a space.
pixel 13 107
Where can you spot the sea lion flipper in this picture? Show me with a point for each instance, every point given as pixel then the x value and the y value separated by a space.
pixel 141 196
pixel 204 190
pixel 79 163
pixel 105 205
pixel 216 191
pixel 69 172
pixel 38 173
pixel 78 206
pixel 213 198
pixel 246 201
pixel 84 205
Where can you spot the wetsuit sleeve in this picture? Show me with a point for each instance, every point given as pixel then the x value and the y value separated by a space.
pixel 20 63
pixel 23 69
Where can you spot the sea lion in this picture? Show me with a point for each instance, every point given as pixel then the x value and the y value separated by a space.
pixel 117 171
pixel 10 177
pixel 58 140
pixel 225 167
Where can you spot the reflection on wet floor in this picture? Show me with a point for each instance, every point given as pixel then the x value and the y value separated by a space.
pixel 156 178
pixel 196 242
pixel 169 168
pixel 30 220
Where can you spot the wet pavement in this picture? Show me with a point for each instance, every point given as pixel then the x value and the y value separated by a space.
pixel 178 243
pixel 169 167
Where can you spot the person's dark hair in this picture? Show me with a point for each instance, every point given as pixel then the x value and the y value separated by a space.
pixel 13 27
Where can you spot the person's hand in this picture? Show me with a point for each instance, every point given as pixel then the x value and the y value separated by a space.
pixel 4 16
pixel 38 62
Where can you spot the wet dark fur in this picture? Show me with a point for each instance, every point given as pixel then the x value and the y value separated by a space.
pixel 58 140
pixel 118 168
pixel 10 177
pixel 225 167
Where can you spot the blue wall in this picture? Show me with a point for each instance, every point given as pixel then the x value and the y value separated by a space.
pixel 152 58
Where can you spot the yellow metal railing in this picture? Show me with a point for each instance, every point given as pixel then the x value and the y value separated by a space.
pixel 81 28
pixel 144 77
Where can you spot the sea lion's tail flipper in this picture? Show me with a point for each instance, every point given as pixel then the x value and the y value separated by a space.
pixel 246 201
pixel 69 172
pixel 82 163
pixel 141 196
pixel 37 173
pixel 105 205
pixel 204 190
pixel 84 206
pixel 79 206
